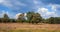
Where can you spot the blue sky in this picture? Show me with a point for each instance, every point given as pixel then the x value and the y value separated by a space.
pixel 47 8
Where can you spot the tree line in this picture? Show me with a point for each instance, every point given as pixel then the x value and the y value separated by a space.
pixel 31 17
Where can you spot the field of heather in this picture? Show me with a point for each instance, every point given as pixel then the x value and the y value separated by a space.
pixel 25 27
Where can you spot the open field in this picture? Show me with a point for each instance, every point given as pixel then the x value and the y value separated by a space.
pixel 25 27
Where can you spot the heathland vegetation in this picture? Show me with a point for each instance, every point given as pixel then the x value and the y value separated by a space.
pixel 23 23
pixel 31 17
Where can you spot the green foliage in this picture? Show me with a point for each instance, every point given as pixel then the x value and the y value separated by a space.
pixel 12 21
pixel 5 18
pixel 54 20
pixel 29 16
pixel 34 17
pixel 57 20
pixel 21 18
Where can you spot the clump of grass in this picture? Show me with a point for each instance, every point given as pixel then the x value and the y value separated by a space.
pixel 34 30
pixel 5 29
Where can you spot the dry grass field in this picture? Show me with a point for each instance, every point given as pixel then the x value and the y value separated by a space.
pixel 25 27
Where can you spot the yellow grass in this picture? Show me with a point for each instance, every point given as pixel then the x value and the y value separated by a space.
pixel 25 27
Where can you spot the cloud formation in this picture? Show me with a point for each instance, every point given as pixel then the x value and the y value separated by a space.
pixel 13 4
pixel 45 13
pixel 47 8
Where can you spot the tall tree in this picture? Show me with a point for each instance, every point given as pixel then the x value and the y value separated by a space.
pixel 51 20
pixel 54 20
pixel 34 17
pixel 5 18
pixel 21 18
pixel 29 16
pixel 57 20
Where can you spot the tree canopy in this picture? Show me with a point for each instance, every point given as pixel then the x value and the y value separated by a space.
pixel 32 17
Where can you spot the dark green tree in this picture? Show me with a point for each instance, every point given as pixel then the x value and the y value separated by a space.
pixel 34 17
pixel 54 20
pixel 1 20
pixel 12 21
pixel 29 16
pixel 51 20
pixel 5 18
pixel 57 20
pixel 21 18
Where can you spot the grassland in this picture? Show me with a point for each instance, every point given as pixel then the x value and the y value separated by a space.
pixel 25 27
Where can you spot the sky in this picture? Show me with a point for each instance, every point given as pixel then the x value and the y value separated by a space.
pixel 47 8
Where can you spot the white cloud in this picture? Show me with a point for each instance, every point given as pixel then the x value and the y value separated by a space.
pixel 43 10
pixel 5 12
pixel 6 3
pixel 19 3
pixel 1 1
pixel 25 14
pixel 35 1
pixel 17 15
pixel 46 14
pixel 2 12
pixel 54 6
pixel 13 4
pixel 51 14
